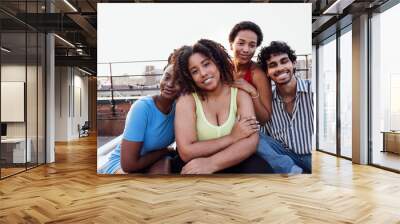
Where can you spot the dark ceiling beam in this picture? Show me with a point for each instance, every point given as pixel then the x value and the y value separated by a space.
pixel 91 5
pixel 52 22
pixel 78 61
pixel 321 22
pixel 11 25
pixel 43 22
pixel 337 7
pixel 63 7
pixel 329 18
pixel 80 20
pixel 49 22
pixel 22 21
pixel 381 6
pixel 86 26
pixel 75 61
pixel 66 51
pixel 331 29
pixel 89 70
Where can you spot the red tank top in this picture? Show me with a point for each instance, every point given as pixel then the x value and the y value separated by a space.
pixel 247 76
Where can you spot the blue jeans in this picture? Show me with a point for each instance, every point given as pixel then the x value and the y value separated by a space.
pixel 280 159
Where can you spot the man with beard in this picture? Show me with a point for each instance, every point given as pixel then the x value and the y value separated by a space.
pixel 290 128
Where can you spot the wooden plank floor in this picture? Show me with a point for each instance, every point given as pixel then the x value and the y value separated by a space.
pixel 70 191
pixel 9 171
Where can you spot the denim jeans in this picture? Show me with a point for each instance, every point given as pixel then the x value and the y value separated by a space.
pixel 279 158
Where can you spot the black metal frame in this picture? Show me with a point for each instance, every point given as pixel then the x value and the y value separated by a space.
pixel 387 5
pixel 25 89
pixel 328 39
pixel 316 96
pixel 339 32
pixel 338 97
pixel 369 81
pixel 380 9
pixel 44 71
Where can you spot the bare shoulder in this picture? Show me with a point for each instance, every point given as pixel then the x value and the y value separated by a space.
pixel 243 96
pixel 186 100
pixel 258 72
pixel 260 79
pixel 245 104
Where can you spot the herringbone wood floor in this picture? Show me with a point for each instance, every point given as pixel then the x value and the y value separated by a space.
pixel 70 191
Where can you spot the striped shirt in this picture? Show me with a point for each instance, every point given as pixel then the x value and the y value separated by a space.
pixel 295 132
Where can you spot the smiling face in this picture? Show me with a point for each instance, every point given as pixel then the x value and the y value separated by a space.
pixel 280 68
pixel 169 87
pixel 244 46
pixel 204 72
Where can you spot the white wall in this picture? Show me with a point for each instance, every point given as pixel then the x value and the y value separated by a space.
pixel 71 94
pixel 33 126
pixel 61 103
pixel 80 110
pixel 16 72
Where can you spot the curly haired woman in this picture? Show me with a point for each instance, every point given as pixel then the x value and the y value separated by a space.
pixel 215 125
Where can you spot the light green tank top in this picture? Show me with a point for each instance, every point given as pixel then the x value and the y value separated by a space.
pixel 206 130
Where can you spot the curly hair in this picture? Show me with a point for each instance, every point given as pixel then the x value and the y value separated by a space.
pixel 275 47
pixel 210 49
pixel 170 59
pixel 246 25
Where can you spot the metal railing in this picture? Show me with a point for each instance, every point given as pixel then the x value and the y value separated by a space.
pixel 118 89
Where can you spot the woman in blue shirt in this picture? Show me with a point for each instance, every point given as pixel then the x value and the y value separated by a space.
pixel 149 130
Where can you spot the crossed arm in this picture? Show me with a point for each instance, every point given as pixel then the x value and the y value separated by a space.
pixel 217 154
pixel 132 161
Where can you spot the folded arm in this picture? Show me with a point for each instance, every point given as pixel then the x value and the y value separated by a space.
pixel 186 135
pixel 132 161
pixel 233 153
